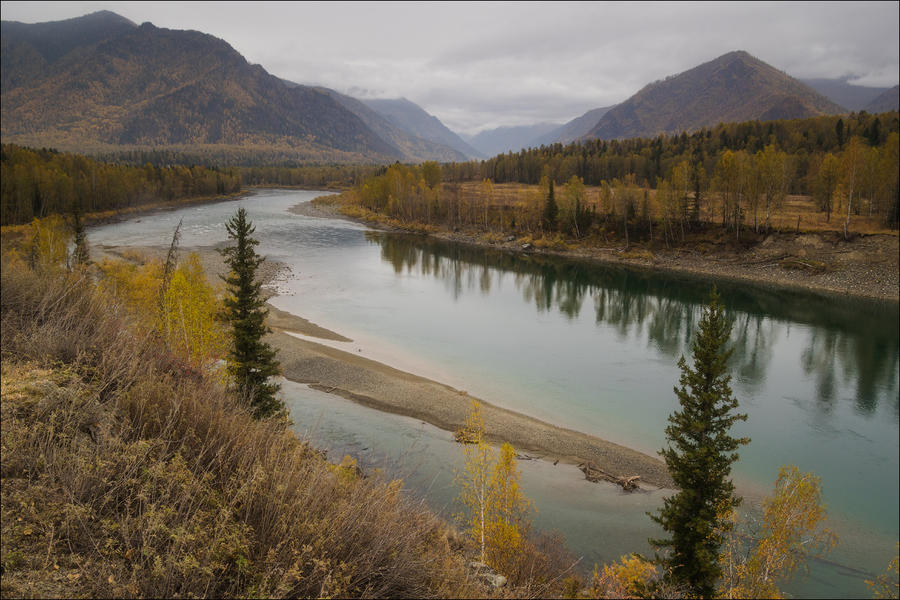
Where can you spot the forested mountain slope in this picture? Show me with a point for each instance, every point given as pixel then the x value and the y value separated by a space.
pixel 888 101
pixel 574 129
pixel 98 81
pixel 413 118
pixel 734 87
pixel 413 147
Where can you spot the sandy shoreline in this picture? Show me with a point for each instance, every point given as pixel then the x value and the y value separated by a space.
pixel 385 388
pixel 867 267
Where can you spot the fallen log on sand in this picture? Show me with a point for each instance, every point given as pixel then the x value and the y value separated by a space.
pixel 594 474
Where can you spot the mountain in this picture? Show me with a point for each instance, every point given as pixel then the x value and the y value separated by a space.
pixel 888 100
pixel 413 119
pixel 499 140
pixel 55 39
pixel 414 149
pixel 734 87
pixel 101 82
pixel 853 97
pixel 573 130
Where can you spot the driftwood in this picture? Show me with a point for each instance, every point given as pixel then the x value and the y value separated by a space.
pixel 594 474
pixel 805 264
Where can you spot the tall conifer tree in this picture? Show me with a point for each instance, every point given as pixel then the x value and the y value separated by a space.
pixel 551 210
pixel 251 361
pixel 699 458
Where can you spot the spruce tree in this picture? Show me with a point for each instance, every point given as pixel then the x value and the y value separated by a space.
pixel 251 361
pixel 550 210
pixel 699 458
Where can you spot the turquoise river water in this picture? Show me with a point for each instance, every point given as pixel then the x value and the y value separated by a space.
pixel 588 347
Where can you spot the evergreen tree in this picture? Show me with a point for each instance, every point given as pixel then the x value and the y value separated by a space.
pixel 81 255
pixel 251 361
pixel 699 458
pixel 550 210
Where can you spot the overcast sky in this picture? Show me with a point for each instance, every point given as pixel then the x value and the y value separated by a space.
pixel 479 65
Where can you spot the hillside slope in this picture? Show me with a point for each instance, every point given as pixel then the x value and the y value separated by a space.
pixel 414 148
pixel 839 91
pixel 889 100
pixel 734 87
pixel 412 118
pixel 107 436
pixel 498 140
pixel 146 86
pixel 574 129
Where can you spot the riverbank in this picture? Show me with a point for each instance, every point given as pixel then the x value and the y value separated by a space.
pixel 865 267
pixel 387 389
pixel 392 390
pixel 15 235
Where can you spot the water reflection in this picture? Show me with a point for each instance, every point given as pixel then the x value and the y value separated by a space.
pixel 853 342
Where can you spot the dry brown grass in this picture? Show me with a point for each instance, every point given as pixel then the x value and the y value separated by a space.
pixel 124 477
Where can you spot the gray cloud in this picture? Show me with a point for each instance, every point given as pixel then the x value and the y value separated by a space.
pixel 481 65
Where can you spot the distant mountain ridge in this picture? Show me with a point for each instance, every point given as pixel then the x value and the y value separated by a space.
pixel 512 139
pixel 412 118
pixel 734 87
pixel 101 82
pixel 499 140
pixel 414 147
pixel 110 82
pixel 574 129
pixel 848 95
pixel 887 100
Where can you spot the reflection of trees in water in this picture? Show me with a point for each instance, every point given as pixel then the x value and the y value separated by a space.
pixel 846 345
pixel 874 368
pixel 752 337
pixel 671 326
pixel 869 359
pixel 818 360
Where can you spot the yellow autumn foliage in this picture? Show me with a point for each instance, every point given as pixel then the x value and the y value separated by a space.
pixel 473 431
pixel 628 578
pixel 887 585
pixel 496 511
pixel 185 315
pixel 507 511
pixel 48 244
pixel 791 534
pixel 474 482
pixel 188 316
pixel 135 284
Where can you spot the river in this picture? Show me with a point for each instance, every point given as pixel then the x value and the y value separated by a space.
pixel 590 348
